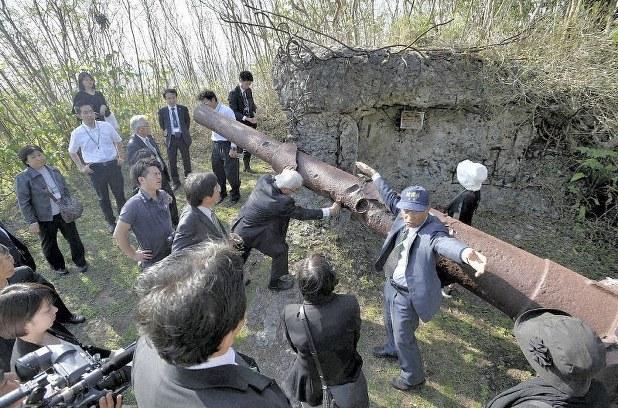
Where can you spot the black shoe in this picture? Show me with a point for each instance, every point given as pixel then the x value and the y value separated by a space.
pixel 176 186
pixel 379 352
pixel 221 198
pixel 281 285
pixel 111 227
pixel 76 319
pixel 61 271
pixel 234 199
pixel 82 269
pixel 398 384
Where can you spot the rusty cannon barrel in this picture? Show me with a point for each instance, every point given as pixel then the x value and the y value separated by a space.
pixel 514 280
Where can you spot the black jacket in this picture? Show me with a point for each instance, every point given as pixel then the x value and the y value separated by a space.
pixel 19 251
pixel 263 220
pixel 158 384
pixel 183 118
pixel 335 325
pixel 195 227
pixel 136 144
pixel 237 104
pixel 464 205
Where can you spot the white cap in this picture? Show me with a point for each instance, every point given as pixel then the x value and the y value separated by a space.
pixel 471 175
pixel 290 179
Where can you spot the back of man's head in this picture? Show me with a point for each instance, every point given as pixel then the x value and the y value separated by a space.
pixel 190 301
pixel 290 179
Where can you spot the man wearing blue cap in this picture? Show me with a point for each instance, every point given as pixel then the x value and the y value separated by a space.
pixel 412 287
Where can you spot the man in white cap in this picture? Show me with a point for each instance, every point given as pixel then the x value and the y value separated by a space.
pixel 471 176
pixel 565 354
pixel 263 221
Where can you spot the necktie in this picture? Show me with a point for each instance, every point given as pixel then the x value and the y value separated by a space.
pixel 174 118
pixel 246 102
pixel 150 146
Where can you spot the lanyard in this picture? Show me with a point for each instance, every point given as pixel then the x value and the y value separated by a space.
pixel 98 142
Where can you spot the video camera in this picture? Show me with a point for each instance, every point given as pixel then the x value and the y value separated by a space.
pixel 65 375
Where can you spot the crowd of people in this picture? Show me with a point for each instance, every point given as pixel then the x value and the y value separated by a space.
pixel 191 290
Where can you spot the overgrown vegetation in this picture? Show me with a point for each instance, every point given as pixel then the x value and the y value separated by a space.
pixel 557 55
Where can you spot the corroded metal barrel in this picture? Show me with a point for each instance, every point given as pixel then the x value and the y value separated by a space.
pixel 514 280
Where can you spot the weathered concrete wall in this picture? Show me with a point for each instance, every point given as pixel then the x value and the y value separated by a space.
pixel 347 107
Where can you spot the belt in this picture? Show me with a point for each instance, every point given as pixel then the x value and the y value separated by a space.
pixel 398 287
pixel 106 163
pixel 222 141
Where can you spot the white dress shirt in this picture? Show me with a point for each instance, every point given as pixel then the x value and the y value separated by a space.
pixel 225 359
pixel 227 112
pixel 97 144
pixel 174 129
pixel 207 212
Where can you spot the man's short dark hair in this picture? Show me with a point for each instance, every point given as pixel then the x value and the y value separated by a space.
pixel 207 94
pixel 316 277
pixel 246 76
pixel 169 90
pixel 26 151
pixel 18 304
pixel 190 301
pixel 198 186
pixel 140 168
pixel 78 108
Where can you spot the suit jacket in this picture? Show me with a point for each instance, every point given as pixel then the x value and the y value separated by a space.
pixel 158 384
pixel 19 251
pixel 194 227
pixel 432 239
pixel 136 144
pixel 335 325
pixel 263 220
pixel 237 104
pixel 184 121
pixel 32 194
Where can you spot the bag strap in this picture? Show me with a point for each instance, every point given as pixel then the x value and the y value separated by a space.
pixel 53 197
pixel 314 352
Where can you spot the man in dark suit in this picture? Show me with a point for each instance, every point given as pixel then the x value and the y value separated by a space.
pixel 191 306
pixel 198 221
pixel 19 251
pixel 143 146
pixel 263 221
pixel 241 102
pixel 174 120
pixel 412 288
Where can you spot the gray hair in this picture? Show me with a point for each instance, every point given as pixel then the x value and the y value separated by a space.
pixel 289 179
pixel 137 121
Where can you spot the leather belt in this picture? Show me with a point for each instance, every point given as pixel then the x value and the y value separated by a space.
pixel 398 287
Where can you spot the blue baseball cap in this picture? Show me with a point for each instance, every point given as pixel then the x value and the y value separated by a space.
pixel 414 198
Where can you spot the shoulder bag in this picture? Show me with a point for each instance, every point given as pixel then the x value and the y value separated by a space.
pixel 328 401
pixel 70 207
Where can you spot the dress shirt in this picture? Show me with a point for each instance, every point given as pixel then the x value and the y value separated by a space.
pixel 399 274
pixel 228 358
pixel 227 112
pixel 207 212
pixel 97 144
pixel 175 110
pixel 52 187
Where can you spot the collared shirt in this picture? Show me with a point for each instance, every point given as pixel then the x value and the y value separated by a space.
pixel 225 359
pixel 151 223
pixel 207 212
pixel 399 274
pixel 97 144
pixel 52 187
pixel 175 110
pixel 227 112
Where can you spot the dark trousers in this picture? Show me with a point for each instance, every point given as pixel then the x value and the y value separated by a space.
pixel 246 159
pixel 279 266
pixel 178 143
pixel 106 175
pixel 224 168
pixel 166 186
pixel 48 232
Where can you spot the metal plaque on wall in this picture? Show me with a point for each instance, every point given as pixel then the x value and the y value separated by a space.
pixel 412 120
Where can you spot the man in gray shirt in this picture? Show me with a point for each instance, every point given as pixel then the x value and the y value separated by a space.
pixel 147 215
